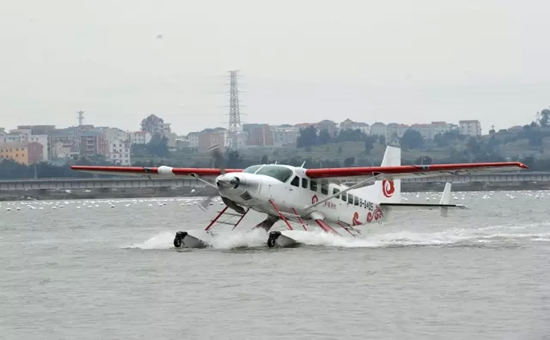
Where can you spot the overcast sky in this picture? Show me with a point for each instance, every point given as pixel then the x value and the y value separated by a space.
pixel 301 61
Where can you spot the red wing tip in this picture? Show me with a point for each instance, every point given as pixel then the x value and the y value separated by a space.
pixel 523 166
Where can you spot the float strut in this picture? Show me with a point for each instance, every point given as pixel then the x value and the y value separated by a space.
pixel 281 215
pixel 300 219
pixel 216 218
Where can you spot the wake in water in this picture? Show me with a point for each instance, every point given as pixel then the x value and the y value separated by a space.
pixel 258 238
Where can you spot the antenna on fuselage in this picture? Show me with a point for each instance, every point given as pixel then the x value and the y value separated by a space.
pixel 304 163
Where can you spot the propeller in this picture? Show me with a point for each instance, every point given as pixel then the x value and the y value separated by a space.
pixel 219 162
pixel 219 159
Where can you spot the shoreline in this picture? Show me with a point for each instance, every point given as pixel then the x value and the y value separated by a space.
pixel 43 195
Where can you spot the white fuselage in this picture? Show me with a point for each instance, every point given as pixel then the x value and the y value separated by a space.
pixel 291 191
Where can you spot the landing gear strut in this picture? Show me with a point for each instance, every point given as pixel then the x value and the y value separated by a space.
pixel 180 235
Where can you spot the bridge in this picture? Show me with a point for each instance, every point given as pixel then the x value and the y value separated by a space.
pixel 69 183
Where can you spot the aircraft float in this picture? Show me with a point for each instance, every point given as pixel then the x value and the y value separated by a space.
pixel 297 196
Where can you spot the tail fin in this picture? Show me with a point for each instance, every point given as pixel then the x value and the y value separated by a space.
pixel 445 199
pixel 386 191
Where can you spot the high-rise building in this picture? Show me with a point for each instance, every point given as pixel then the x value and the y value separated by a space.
pixel 155 126
pixel 470 127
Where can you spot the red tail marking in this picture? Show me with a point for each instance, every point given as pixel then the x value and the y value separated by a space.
pixel 388 188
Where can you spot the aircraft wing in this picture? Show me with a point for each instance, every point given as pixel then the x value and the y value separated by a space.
pixel 413 171
pixel 161 171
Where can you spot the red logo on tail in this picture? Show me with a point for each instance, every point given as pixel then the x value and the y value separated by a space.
pixel 388 188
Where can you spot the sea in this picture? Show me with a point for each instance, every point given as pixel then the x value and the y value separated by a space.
pixel 107 269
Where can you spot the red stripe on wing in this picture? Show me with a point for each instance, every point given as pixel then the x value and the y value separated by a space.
pixel 116 169
pixel 407 169
pixel 153 170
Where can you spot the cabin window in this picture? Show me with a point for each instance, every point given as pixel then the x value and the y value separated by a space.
pixel 360 202
pixel 350 199
pixel 252 169
pixel 304 183
pixel 278 172
pixel 335 191
pixel 295 181
pixel 313 186
pixel 344 197
pixel 356 201
pixel 324 188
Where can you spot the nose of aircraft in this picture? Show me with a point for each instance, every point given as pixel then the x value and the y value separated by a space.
pixel 228 180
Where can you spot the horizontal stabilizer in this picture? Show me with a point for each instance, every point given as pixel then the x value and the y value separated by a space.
pixel 422 205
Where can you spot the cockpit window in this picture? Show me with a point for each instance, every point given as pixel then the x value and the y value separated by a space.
pixel 252 169
pixel 276 171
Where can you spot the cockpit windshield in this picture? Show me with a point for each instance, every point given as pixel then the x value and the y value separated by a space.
pixel 252 169
pixel 276 171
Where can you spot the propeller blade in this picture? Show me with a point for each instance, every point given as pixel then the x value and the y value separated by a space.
pixel 219 159
pixel 203 205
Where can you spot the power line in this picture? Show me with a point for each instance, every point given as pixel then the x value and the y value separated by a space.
pixel 235 127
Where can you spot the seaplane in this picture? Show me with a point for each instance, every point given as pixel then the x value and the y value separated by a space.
pixel 340 201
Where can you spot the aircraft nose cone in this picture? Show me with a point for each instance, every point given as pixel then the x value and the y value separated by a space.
pixel 235 182
pixel 232 181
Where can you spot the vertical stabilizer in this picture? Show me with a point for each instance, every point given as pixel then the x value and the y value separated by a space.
pixel 386 191
pixel 445 199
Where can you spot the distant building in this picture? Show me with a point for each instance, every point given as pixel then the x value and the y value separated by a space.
pixel 349 124
pixel 92 144
pixel 113 134
pixel 182 143
pixel 303 125
pixel 26 136
pixel 9 139
pixel 394 132
pixel 426 130
pixel 23 153
pixel 64 150
pixel 44 141
pixel 38 129
pixel 63 143
pixel 193 139
pixel 470 127
pixel 328 125
pixel 258 135
pixel 172 140
pixel 285 135
pixel 155 125
pixel 140 137
pixel 211 137
pixel 378 129
pixel 119 152
pixel 441 127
